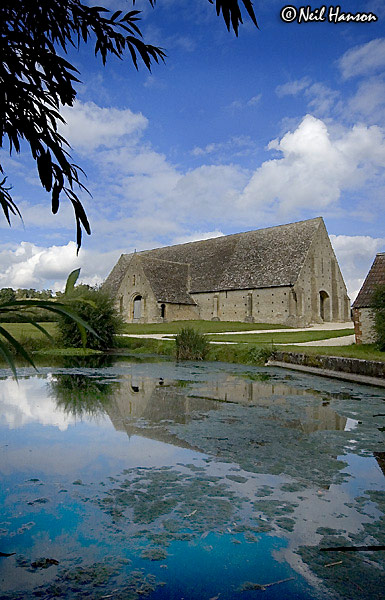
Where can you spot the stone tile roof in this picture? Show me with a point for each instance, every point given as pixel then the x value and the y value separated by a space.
pixel 376 276
pixel 115 278
pixel 168 280
pixel 253 259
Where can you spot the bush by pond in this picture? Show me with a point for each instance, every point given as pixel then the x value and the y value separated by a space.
pixel 98 310
pixel 191 345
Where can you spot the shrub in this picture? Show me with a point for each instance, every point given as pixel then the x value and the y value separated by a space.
pixel 97 309
pixel 259 355
pixel 191 345
pixel 378 310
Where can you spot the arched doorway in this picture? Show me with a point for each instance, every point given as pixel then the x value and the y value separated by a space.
pixel 137 308
pixel 324 306
pixel 163 311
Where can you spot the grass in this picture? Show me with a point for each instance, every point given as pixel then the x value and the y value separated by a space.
pixel 24 330
pixel 242 353
pixel 201 326
pixel 362 351
pixel 35 342
pixel 248 354
pixel 68 352
pixel 239 352
pixel 282 338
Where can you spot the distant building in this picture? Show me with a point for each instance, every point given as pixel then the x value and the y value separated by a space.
pixel 287 274
pixel 362 314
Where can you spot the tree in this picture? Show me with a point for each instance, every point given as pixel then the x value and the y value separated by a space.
pixel 7 295
pixel 378 311
pixel 35 81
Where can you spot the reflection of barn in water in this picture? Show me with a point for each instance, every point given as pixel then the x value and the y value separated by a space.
pixel 146 407
pixel 380 458
pixel 313 417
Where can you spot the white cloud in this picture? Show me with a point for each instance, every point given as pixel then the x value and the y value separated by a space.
pixel 363 60
pixel 26 401
pixel 239 145
pixel 31 266
pixel 240 104
pixel 355 256
pixel 322 99
pixel 89 126
pixel 196 236
pixel 369 101
pixel 292 88
pixel 315 168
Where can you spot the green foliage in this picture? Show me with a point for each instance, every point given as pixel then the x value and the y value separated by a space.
pixel 378 310
pixel 24 293
pixel 7 295
pixel 191 345
pixel 97 309
pixel 38 314
pixel 259 355
pixel 9 344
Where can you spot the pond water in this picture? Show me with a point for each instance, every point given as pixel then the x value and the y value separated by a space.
pixel 189 481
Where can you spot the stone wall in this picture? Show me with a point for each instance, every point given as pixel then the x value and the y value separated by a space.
pixel 270 305
pixel 135 285
pixel 363 326
pixel 320 290
pixel 343 364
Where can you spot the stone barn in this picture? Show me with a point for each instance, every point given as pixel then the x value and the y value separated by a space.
pixel 287 274
pixel 362 315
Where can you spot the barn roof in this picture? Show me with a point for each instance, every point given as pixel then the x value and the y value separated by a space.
pixel 254 259
pixel 168 280
pixel 375 277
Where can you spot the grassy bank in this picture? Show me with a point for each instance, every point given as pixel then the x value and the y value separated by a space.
pixel 20 330
pixel 250 353
pixel 246 353
pixel 282 337
pixel 201 326
pixel 361 351
pixel 35 342
pixel 234 353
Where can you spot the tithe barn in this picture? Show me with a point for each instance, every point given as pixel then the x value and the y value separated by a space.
pixel 287 274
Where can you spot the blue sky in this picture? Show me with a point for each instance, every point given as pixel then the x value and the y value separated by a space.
pixel 280 124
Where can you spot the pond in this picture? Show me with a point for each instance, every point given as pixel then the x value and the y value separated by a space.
pixel 159 480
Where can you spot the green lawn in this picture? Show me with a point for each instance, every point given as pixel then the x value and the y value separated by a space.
pixel 23 330
pixel 231 353
pixel 282 338
pixel 202 326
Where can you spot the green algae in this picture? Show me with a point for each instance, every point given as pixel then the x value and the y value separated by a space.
pixel 237 478
pixel 154 554
pixel 286 523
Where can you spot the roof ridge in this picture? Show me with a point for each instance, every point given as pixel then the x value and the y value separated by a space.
pixel 229 235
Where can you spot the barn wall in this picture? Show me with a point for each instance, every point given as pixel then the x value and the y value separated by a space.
pixel 320 289
pixel 266 305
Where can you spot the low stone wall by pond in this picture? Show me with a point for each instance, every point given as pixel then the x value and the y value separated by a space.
pixel 357 366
